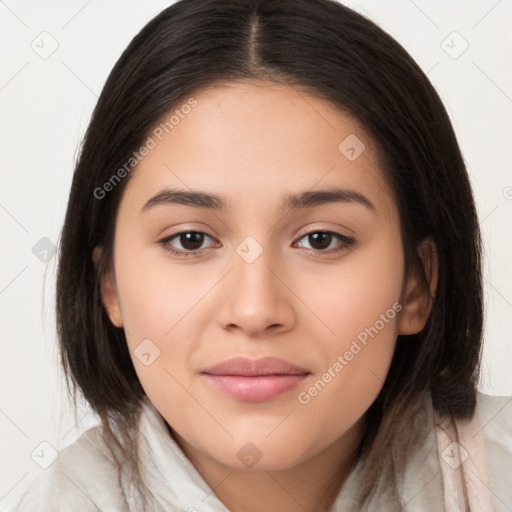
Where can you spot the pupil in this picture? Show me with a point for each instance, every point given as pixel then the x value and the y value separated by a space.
pixel 319 240
pixel 191 241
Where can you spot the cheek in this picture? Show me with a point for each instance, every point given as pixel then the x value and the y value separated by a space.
pixel 159 304
pixel 360 305
pixel 158 297
pixel 352 295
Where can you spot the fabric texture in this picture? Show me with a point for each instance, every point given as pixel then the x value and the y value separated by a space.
pixel 462 467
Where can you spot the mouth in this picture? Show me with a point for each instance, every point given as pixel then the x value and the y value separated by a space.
pixel 255 380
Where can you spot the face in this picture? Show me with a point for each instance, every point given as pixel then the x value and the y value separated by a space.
pixel 317 283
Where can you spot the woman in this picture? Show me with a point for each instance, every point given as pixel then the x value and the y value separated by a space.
pixel 269 283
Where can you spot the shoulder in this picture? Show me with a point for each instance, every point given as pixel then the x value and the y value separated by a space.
pixel 495 412
pixel 84 476
pixel 496 423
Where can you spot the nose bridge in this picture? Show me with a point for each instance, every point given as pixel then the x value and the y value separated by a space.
pixel 254 280
pixel 256 298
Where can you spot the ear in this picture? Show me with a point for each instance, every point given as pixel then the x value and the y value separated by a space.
pixel 416 299
pixel 109 293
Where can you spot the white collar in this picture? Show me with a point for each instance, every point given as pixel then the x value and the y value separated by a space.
pixel 430 482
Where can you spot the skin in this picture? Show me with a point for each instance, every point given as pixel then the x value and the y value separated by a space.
pixel 253 143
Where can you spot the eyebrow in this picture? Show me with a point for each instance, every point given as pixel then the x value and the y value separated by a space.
pixel 307 199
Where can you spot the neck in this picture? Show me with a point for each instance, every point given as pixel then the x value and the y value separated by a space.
pixel 312 485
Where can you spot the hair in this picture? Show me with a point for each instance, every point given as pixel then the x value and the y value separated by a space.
pixel 327 50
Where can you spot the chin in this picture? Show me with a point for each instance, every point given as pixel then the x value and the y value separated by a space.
pixel 260 456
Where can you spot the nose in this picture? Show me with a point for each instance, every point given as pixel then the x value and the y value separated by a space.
pixel 255 298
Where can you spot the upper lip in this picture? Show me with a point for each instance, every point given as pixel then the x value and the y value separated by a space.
pixel 247 367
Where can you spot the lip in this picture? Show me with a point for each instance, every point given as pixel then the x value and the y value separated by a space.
pixel 255 380
pixel 246 367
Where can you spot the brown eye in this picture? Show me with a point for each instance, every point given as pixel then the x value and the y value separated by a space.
pixel 191 241
pixel 320 241
pixel 188 242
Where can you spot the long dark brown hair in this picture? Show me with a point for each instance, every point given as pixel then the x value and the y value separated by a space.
pixel 331 51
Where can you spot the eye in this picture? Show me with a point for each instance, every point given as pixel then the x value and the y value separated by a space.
pixel 191 242
pixel 321 241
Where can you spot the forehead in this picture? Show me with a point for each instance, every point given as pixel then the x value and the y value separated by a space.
pixel 245 140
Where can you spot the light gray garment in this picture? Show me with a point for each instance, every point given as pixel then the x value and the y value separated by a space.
pixel 86 478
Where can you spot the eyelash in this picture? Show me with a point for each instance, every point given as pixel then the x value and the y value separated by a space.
pixel 346 242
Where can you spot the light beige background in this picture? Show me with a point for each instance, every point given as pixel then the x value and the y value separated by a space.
pixel 56 56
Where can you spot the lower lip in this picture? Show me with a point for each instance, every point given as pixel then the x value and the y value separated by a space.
pixel 255 389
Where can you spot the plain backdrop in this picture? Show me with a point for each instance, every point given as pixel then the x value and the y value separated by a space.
pixel 56 56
